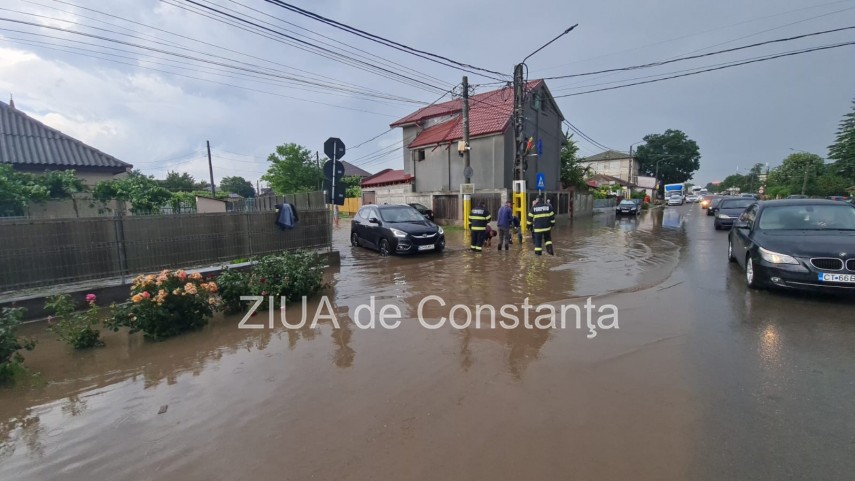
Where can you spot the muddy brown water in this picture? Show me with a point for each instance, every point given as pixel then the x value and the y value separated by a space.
pixel 405 403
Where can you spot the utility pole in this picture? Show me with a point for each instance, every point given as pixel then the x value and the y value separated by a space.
pixel 518 120
pixel 467 198
pixel 318 165
pixel 804 184
pixel 211 170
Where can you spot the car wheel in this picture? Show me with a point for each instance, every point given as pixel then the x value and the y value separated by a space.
pixel 752 278
pixel 439 247
pixel 730 251
pixel 354 240
pixel 717 227
pixel 384 247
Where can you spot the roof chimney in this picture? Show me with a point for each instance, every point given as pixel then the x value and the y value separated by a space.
pixel 11 101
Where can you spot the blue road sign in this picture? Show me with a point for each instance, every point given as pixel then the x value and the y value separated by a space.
pixel 541 181
pixel 539 147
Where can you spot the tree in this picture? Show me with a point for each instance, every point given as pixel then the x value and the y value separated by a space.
pixel 572 171
pixel 353 184
pixel 714 187
pixel 237 185
pixel 672 154
pixel 798 173
pixel 292 169
pixel 843 150
pixel 145 194
pixel 176 182
pixel 18 189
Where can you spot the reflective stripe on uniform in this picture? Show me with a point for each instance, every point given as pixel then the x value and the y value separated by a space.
pixel 538 249
pixel 479 217
pixel 545 229
pixel 537 216
pixel 549 243
pixel 477 228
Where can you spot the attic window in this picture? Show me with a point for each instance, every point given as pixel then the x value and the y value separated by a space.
pixel 420 155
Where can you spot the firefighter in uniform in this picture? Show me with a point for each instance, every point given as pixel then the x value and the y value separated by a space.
pixel 478 219
pixel 541 219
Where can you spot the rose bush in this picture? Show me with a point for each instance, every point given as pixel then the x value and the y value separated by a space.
pixel 168 304
pixel 77 329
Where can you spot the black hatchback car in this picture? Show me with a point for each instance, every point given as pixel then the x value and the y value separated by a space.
pixel 395 229
pixel 801 243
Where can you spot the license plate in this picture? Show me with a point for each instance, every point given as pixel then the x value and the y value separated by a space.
pixel 848 278
pixel 428 247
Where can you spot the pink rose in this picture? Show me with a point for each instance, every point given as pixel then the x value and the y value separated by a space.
pixel 90 298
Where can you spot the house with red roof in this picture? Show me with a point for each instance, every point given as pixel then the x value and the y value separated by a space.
pixel 430 134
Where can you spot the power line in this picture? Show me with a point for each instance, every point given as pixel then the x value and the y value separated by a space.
pixel 226 84
pixel 691 57
pixel 353 48
pixel 762 59
pixel 585 136
pixel 301 41
pixel 384 41
pixel 330 80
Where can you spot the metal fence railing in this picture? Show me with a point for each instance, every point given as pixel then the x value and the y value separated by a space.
pixel 55 251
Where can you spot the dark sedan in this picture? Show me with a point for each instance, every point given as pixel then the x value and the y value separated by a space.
pixel 802 244
pixel 729 210
pixel 428 213
pixel 395 229
pixel 714 205
pixel 628 207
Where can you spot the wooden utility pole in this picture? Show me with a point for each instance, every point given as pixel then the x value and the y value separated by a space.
pixel 518 120
pixel 211 170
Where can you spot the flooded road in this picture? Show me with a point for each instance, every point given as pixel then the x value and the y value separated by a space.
pixel 702 380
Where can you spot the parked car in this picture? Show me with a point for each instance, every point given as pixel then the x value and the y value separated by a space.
pixel 729 210
pixel 676 199
pixel 797 197
pixel 838 198
pixel 711 210
pixel 749 195
pixel 428 213
pixel 628 207
pixel 797 243
pixel 395 229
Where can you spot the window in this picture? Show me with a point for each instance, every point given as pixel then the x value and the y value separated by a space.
pixel 420 155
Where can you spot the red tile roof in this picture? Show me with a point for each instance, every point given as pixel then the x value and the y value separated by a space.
pixel 489 113
pixel 387 177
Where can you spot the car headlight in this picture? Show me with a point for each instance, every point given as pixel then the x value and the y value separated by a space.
pixel 723 216
pixel 439 229
pixel 776 258
pixel 399 233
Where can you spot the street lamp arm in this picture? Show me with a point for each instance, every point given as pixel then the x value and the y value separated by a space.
pixel 550 42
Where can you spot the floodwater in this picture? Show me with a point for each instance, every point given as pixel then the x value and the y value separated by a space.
pixel 701 380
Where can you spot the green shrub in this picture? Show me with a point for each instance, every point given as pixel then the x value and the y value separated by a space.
pixel 77 329
pixel 291 275
pixel 10 343
pixel 168 304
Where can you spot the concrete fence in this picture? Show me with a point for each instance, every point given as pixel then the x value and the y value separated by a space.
pixel 55 251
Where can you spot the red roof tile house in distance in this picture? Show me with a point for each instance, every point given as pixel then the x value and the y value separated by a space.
pixel 431 134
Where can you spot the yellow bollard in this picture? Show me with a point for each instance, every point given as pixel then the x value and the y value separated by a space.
pixel 521 210
pixel 467 207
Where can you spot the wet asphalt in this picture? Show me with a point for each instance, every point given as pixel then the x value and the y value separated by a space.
pixel 702 379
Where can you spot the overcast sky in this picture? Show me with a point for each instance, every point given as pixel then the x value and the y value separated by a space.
pixel 156 110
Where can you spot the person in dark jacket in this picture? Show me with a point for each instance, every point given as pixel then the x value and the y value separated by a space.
pixel 478 219
pixel 504 221
pixel 541 219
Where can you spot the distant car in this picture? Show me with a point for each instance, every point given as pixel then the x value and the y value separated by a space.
pixel 676 199
pixel 428 213
pixel 839 198
pixel 796 243
pixel 729 210
pixel 628 207
pixel 749 196
pixel 692 198
pixel 395 229
pixel 797 197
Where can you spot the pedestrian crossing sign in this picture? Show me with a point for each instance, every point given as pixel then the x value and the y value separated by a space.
pixel 541 182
